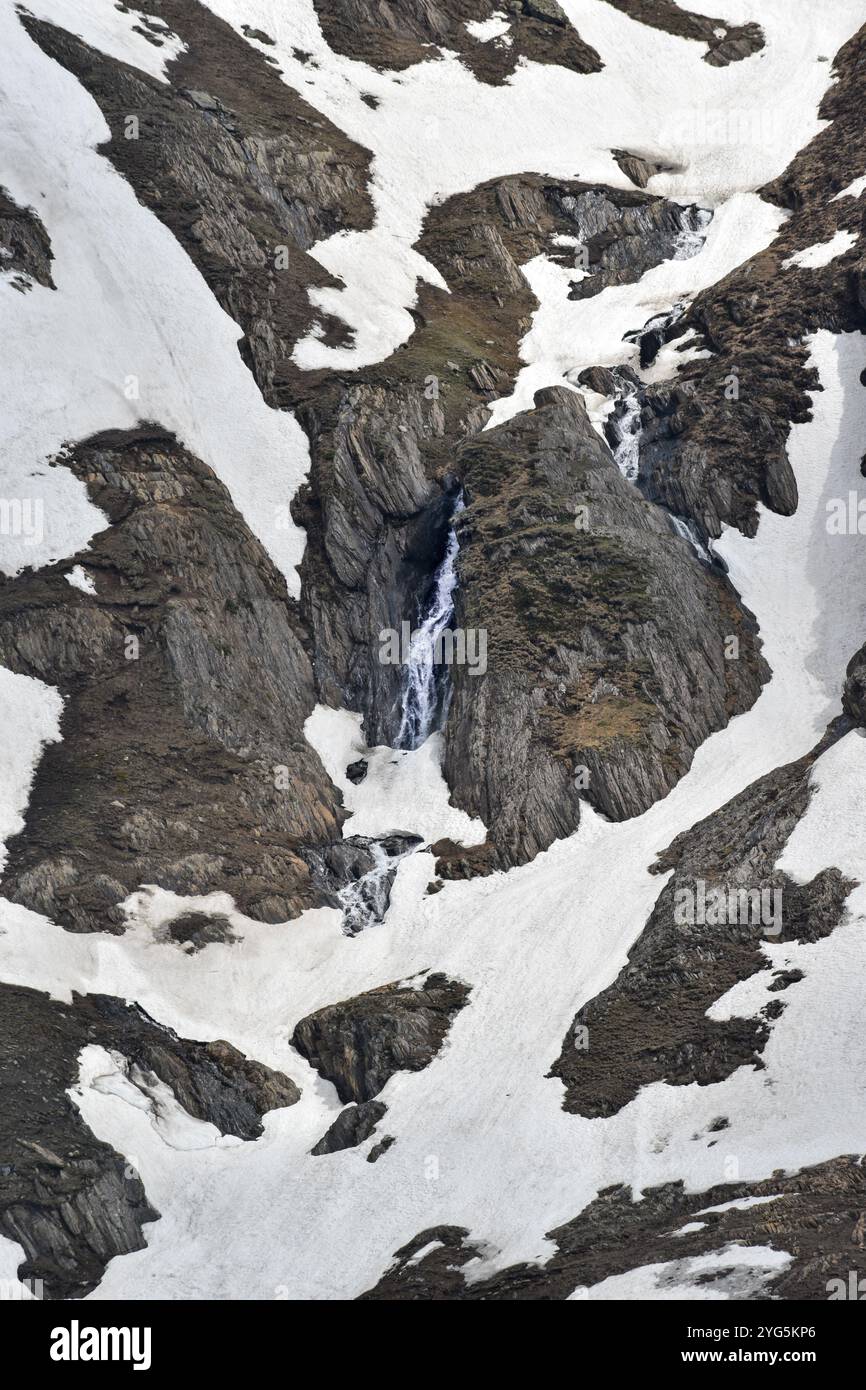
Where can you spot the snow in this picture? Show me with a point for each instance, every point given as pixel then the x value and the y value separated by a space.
pixel 80 579
pixel 109 30
pixel 568 335
pixel 31 719
pixel 110 1074
pixel 852 191
pixel 131 332
pixel 739 1204
pixel 496 27
pixel 534 944
pixel 823 252
pixel 750 1267
pixel 402 790
pixel 437 131
pixel 11 1288
pixel 481 1137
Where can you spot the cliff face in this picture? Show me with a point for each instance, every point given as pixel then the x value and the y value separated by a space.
pixel 606 636
pixel 609 407
pixel 182 760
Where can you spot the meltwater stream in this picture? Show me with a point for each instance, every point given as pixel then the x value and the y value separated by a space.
pixel 425 692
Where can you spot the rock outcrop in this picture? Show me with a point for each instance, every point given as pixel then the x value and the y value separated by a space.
pixel 70 1200
pixel 714 440
pixel 360 1043
pixel 651 1024
pixel 606 663
pixel 237 166
pixel 186 684
pixel 397 33
pixel 351 1127
pixel 813 1215
pixel 25 246
pixel 726 43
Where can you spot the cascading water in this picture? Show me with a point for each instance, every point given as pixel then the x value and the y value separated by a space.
pixel 691 239
pixel 365 900
pixel 626 431
pixel 689 533
pixel 426 689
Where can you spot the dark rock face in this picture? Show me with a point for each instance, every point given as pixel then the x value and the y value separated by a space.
pixel 726 43
pixel 605 636
pixel 25 246
pixel 815 1219
pixel 351 1127
pixel 245 175
pixel 398 33
pixel 383 448
pixel 651 1024
pixel 186 684
pixel 195 930
pixel 377 529
pixel 70 1200
pixel 637 167
pixel 624 240
pixel 360 1043
pixel 854 692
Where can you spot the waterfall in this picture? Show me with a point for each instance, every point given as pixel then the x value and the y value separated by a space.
pixel 366 900
pixel 689 533
pixel 426 691
pixel 626 429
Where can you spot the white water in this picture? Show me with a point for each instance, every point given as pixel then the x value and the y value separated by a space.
pixel 365 900
pixel 628 429
pixel 426 684
pixel 688 531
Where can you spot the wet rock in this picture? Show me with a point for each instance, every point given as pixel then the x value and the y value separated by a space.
pixel 351 1127
pixel 357 875
pixel 357 771
pixel 623 239
pixel 360 1043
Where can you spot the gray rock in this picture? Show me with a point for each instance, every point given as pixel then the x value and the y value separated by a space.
pixel 360 1043
pixel 569 599
pixel 66 1197
pixel 186 767
pixel 25 246
pixel 351 1127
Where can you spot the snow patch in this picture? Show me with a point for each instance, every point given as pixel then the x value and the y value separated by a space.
pixel 822 253
pixel 80 579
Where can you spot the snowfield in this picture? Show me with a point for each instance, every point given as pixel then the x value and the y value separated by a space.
pixel 481 1137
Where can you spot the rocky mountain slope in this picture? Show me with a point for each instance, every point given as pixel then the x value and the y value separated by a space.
pixel 432 632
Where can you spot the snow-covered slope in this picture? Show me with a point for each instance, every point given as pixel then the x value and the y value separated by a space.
pixel 132 332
